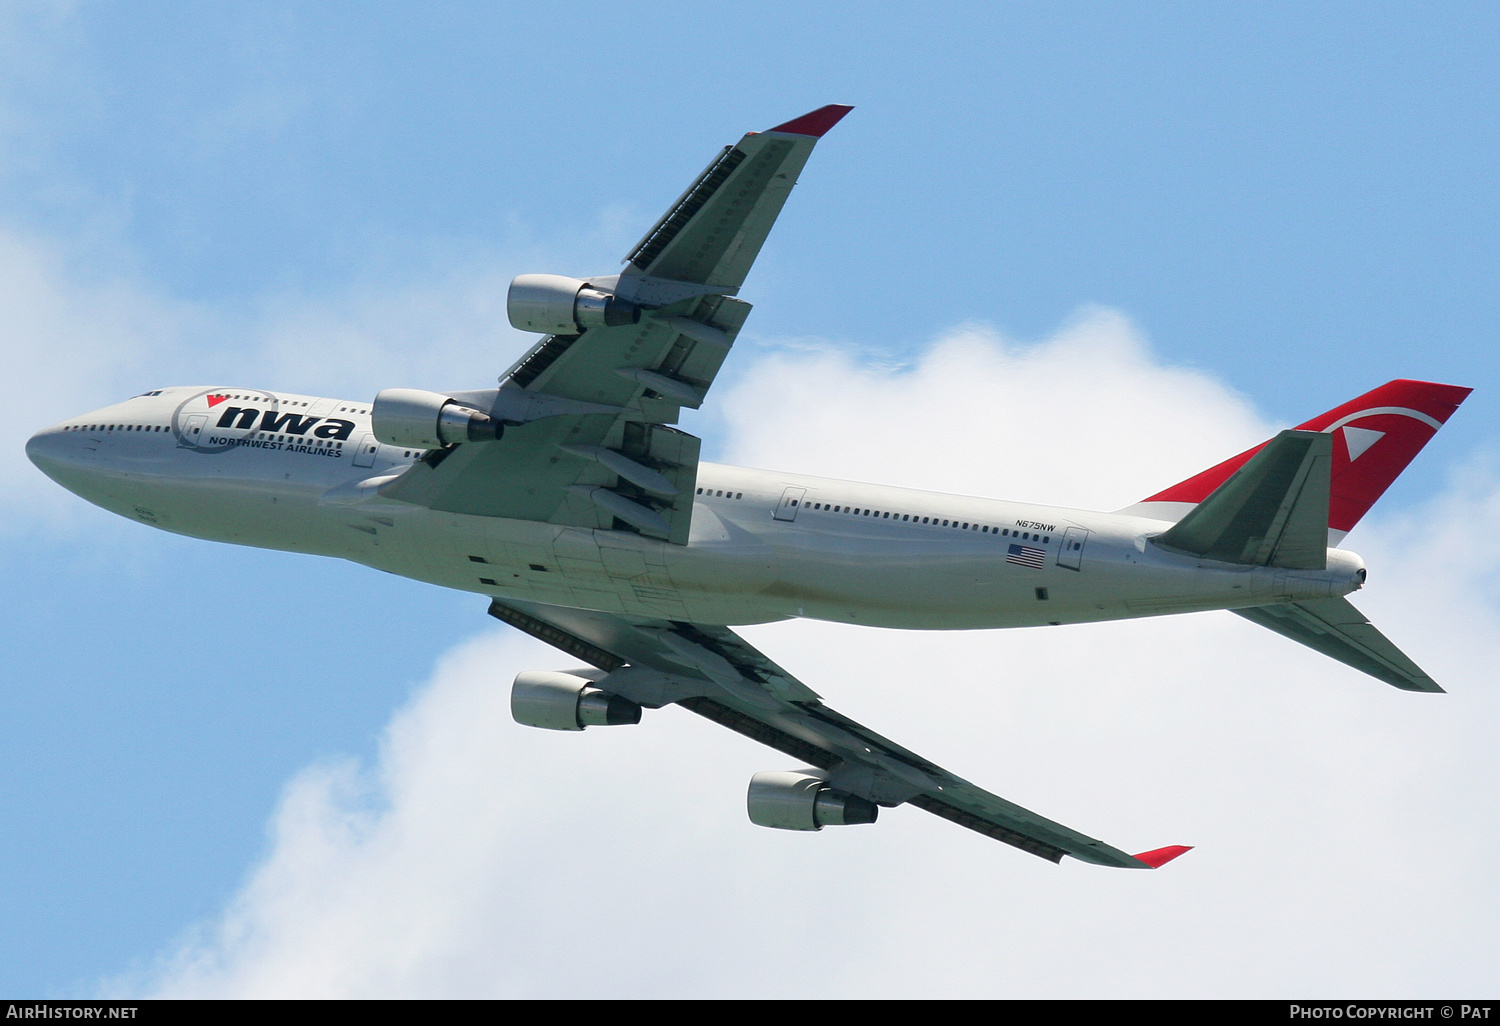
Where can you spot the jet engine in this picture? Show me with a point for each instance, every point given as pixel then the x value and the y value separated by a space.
pixel 428 420
pixel 561 701
pixel 555 305
pixel 802 800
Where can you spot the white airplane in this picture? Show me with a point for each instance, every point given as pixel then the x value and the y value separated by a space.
pixel 566 497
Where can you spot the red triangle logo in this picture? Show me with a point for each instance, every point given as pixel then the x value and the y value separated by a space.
pixel 215 400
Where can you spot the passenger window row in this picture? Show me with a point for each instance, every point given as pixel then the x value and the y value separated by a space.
pixel 318 442
pixel 961 525
pixel 964 525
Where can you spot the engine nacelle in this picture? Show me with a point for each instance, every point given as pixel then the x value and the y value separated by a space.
pixel 428 420
pixel 802 800
pixel 561 701
pixel 555 305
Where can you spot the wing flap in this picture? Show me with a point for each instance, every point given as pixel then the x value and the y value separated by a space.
pixel 715 230
pixel 541 468
pixel 681 213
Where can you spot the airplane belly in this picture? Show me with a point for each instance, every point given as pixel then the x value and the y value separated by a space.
pixel 242 513
pixel 175 496
pixel 937 584
pixel 611 571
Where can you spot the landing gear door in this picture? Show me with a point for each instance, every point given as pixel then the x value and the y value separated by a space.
pixel 786 509
pixel 1070 556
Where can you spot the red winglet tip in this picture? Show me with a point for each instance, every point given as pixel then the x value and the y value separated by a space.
pixel 1161 856
pixel 817 122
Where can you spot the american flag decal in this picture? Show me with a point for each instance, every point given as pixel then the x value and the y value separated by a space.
pixel 1027 555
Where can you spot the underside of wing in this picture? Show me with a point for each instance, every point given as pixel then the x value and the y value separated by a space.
pixel 713 672
pixel 593 444
pixel 584 417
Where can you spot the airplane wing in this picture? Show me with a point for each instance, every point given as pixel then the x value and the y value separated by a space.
pixel 589 441
pixel 716 674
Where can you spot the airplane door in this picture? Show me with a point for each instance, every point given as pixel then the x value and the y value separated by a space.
pixel 790 500
pixel 192 432
pixel 1070 556
pixel 364 452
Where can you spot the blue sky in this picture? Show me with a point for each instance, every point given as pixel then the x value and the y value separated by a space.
pixel 1290 205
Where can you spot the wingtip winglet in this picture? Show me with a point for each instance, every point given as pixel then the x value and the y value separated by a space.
pixel 1161 856
pixel 815 123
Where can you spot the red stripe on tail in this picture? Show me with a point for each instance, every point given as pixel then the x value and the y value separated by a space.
pixel 1375 437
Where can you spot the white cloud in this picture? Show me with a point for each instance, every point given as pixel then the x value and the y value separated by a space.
pixel 1087 420
pixel 445 330
pixel 72 344
pixel 1343 827
pixel 68 346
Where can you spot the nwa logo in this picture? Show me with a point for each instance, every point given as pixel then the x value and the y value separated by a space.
pixel 212 422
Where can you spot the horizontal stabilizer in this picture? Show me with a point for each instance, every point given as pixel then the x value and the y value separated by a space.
pixel 1335 628
pixel 1273 511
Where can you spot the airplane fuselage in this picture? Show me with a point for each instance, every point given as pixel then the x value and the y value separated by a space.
pixel 300 473
pixel 569 498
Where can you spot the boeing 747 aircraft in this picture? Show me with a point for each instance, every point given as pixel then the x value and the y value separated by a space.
pixel 567 498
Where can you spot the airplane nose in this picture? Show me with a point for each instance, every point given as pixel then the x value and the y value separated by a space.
pixel 47 449
pixel 64 456
pixel 69 457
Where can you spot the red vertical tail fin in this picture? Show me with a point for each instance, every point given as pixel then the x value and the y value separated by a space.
pixel 1374 438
